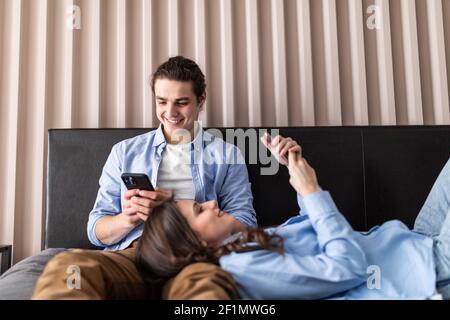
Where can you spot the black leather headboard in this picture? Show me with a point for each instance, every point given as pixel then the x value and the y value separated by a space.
pixel 374 174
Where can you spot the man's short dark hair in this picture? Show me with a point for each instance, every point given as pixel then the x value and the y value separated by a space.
pixel 180 68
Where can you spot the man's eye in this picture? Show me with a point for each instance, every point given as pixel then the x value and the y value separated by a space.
pixel 161 103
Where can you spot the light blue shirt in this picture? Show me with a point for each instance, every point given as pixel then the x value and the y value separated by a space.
pixel 325 258
pixel 218 173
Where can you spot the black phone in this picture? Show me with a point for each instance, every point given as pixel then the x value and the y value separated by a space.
pixel 137 181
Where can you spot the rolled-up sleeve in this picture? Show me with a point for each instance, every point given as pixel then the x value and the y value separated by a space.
pixel 108 197
pixel 236 194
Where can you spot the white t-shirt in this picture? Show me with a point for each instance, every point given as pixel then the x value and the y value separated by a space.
pixel 174 172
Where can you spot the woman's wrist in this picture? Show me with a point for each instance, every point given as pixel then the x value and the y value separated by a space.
pixel 309 190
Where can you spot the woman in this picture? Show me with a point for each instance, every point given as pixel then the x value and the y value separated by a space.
pixel 314 255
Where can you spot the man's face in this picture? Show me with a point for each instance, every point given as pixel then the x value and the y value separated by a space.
pixel 176 106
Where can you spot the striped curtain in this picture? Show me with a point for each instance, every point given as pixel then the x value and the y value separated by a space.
pixel 86 63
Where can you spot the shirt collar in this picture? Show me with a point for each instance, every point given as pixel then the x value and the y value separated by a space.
pixel 159 136
pixel 232 238
pixel 198 139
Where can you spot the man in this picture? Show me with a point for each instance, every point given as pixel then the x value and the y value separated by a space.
pixel 181 160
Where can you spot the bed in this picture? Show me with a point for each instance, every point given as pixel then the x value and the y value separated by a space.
pixel 374 174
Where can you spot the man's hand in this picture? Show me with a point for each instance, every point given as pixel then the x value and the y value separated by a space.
pixel 138 204
pixel 280 146
pixel 303 177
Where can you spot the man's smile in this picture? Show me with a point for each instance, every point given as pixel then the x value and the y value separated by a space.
pixel 173 120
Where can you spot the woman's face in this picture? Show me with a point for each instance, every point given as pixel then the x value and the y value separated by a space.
pixel 211 224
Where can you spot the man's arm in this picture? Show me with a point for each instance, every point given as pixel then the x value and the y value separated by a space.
pixel 236 196
pixel 113 218
pixel 137 206
pixel 106 224
pixel 109 221
pixel 111 229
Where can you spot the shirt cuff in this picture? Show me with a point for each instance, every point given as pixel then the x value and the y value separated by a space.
pixel 319 203
pixel 91 232
pixel 301 205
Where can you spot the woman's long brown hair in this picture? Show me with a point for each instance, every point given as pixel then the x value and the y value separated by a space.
pixel 168 244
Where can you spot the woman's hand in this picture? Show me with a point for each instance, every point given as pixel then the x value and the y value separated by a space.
pixel 280 146
pixel 289 153
pixel 303 177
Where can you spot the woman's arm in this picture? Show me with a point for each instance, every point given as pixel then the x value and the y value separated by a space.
pixel 288 153
pixel 309 269
pixel 342 260
pixel 319 262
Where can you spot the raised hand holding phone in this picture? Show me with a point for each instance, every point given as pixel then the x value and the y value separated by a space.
pixel 303 177
pixel 280 146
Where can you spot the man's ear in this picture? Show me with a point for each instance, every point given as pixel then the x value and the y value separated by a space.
pixel 202 100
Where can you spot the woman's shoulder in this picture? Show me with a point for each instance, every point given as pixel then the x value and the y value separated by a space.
pixel 388 225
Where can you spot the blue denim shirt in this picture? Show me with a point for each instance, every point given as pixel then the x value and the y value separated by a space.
pixel 325 258
pixel 218 171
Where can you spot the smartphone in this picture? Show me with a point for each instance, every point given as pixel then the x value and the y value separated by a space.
pixel 137 181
